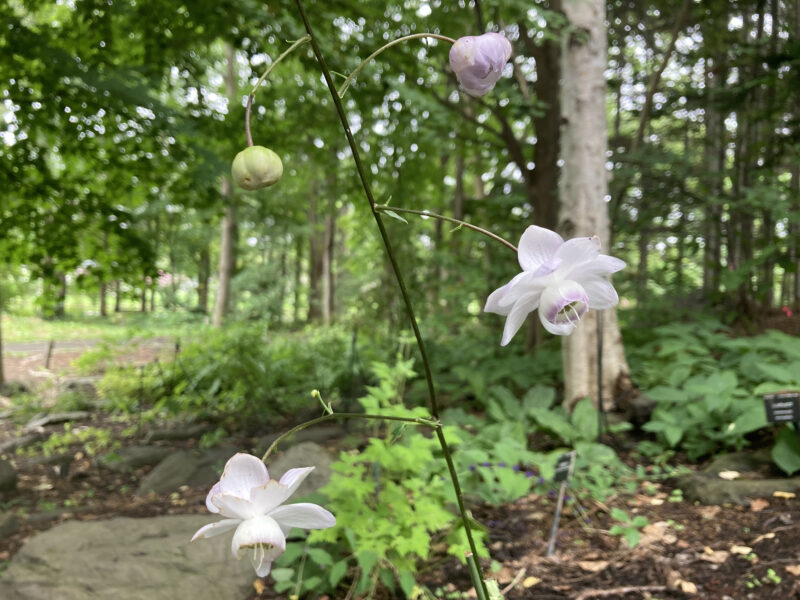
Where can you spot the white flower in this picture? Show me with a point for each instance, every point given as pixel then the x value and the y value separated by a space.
pixel 478 61
pixel 562 279
pixel 251 502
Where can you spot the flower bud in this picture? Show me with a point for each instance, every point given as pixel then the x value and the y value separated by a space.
pixel 256 167
pixel 478 61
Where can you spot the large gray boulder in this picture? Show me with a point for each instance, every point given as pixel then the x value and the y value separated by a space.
pixel 307 454
pixel 127 559
pixel 131 458
pixel 195 468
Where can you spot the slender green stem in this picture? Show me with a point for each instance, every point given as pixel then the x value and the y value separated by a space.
pixel 425 213
pixel 261 79
pixel 400 40
pixel 475 574
pixel 332 416
pixel 398 276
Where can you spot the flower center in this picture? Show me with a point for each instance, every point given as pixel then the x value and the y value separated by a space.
pixel 571 312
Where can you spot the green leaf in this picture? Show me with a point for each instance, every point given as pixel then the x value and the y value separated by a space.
pixel 584 418
pixel 338 571
pixel 786 452
pixel 407 583
pixel 319 556
pixel 282 574
pixel 394 215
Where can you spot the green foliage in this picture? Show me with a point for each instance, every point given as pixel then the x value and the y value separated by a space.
pixel 786 452
pixel 92 440
pixel 237 372
pixel 708 386
pixel 629 528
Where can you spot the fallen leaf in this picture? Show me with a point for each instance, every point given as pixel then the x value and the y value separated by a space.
pixel 758 504
pixel 709 512
pixel 741 549
pixel 787 495
pixel 530 581
pixel 729 475
pixel 593 566
pixel 765 536
pixel 687 587
pixel 657 501
pixel 714 556
pixel 793 570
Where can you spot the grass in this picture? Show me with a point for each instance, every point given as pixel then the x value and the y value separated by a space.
pixel 114 328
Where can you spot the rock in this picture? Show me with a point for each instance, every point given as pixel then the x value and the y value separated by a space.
pixel 9 525
pixel 178 433
pixel 127 559
pixel 708 488
pixel 8 476
pixel 195 468
pixel 132 457
pixel 312 434
pixel 84 387
pixel 306 454
pixel 21 441
pixel 13 388
pixel 56 418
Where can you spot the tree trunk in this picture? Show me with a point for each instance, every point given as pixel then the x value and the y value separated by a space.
pixel 103 305
pixel 229 234
pixel 117 296
pixel 329 242
pixel 714 166
pixel 583 193
pixel 298 277
pixel 61 296
pixel 2 375
pixel 203 275
pixel 316 268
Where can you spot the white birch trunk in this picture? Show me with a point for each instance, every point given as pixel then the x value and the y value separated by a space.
pixel 584 186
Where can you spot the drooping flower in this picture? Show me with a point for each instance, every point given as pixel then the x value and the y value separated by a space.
pixel 478 61
pixel 256 167
pixel 252 503
pixel 562 279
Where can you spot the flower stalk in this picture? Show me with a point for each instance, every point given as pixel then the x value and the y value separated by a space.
pixel 434 405
pixel 400 40
pixel 460 223
pixel 261 79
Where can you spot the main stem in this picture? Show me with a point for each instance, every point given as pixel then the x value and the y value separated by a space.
pixel 400 282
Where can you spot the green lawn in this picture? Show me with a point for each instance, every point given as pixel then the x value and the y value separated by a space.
pixel 116 327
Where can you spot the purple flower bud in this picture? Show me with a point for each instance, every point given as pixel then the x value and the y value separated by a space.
pixel 501 464
pixel 478 61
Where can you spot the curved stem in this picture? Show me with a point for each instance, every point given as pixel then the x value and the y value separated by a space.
pixel 331 416
pixel 261 79
pixel 337 101
pixel 364 62
pixel 425 213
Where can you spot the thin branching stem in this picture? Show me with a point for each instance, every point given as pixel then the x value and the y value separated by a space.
pixel 459 222
pixel 261 79
pixel 400 40
pixel 434 405
pixel 332 416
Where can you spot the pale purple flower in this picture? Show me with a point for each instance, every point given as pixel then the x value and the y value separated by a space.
pixel 251 502
pixel 478 61
pixel 562 279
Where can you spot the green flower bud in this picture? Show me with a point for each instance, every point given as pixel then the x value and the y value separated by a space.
pixel 256 167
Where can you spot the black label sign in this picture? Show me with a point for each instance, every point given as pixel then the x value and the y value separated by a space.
pixel 782 407
pixel 564 466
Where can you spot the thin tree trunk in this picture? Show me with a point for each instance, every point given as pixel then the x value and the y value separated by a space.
pixel 2 374
pixel 117 296
pixel 316 247
pixel 61 296
pixel 329 290
pixel 298 277
pixel 583 192
pixel 103 306
pixel 229 234
pixel 714 166
pixel 203 275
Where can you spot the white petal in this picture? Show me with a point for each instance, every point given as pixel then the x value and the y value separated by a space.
pixel 601 266
pixel 577 251
pixel 303 515
pixel 601 293
pixel 557 328
pixel 536 246
pixel 492 302
pixel 215 489
pixel 524 284
pixel 213 529
pixel 260 563
pixel 242 473
pixel 234 507
pixel 516 316
pixel 260 534
pixel 275 493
